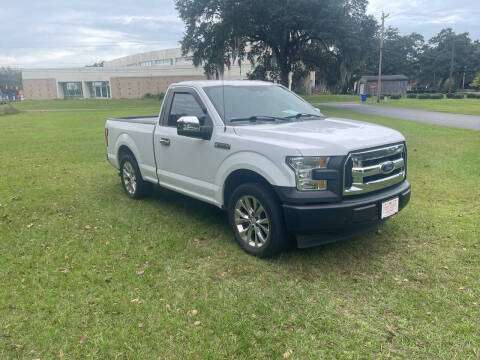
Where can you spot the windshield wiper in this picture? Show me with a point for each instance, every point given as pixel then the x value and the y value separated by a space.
pixel 257 118
pixel 300 115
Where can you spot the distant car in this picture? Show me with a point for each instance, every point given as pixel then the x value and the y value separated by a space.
pixel 2 102
pixel 269 158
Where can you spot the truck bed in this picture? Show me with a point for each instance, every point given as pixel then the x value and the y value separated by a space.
pixel 149 119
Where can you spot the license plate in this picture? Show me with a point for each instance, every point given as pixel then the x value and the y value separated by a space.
pixel 389 208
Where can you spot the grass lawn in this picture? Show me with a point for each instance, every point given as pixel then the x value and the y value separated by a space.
pixel 88 273
pixel 456 106
pixel 331 98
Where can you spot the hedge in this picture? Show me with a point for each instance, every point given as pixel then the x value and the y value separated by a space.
pixel 454 96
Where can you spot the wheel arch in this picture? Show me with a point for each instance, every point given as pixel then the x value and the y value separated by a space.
pixel 252 166
pixel 242 176
pixel 126 145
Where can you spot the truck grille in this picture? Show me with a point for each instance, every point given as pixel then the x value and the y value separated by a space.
pixel 372 170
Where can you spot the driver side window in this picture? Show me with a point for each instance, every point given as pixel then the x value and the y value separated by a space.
pixel 185 104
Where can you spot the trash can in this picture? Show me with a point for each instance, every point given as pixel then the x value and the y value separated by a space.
pixel 364 97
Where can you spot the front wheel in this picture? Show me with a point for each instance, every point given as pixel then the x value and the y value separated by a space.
pixel 256 219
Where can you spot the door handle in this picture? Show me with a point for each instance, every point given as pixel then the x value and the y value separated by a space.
pixel 164 141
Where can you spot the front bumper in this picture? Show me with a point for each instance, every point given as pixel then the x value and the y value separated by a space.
pixel 315 224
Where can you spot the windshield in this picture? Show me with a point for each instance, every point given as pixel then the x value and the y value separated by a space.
pixel 259 103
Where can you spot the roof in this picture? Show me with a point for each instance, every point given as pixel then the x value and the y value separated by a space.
pixel 207 83
pixel 384 78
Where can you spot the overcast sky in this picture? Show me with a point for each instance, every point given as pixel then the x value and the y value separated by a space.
pixel 51 33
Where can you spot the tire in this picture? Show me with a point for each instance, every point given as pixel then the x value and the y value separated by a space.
pixel 256 219
pixel 132 181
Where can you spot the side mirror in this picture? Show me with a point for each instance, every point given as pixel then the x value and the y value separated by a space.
pixel 190 126
pixel 319 111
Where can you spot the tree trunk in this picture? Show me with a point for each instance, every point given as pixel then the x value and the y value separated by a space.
pixel 284 77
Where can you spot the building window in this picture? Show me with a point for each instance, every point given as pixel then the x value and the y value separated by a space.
pixel 183 59
pixel 145 63
pixel 72 90
pixel 99 89
pixel 164 62
pixel 130 65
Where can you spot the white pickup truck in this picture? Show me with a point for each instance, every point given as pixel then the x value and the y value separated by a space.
pixel 279 168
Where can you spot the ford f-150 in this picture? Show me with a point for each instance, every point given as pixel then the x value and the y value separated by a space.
pixel 279 167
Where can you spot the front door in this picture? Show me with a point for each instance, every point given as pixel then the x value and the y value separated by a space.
pixel 185 164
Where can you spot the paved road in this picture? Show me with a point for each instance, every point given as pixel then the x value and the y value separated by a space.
pixel 430 117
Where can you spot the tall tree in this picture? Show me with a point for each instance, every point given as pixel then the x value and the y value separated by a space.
pixel 436 59
pixel 278 36
pixel 400 56
pixel 10 80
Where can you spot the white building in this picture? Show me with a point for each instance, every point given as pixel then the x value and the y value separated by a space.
pixel 127 77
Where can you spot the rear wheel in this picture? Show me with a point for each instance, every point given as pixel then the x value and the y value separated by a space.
pixel 256 219
pixel 132 181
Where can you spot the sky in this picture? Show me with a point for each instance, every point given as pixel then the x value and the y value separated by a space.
pixel 59 33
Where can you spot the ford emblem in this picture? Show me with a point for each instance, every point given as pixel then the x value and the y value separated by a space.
pixel 387 167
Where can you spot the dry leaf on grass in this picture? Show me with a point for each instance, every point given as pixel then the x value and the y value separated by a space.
pixel 168 307
pixel 87 227
pixel 30 225
pixel 140 325
pixel 135 301
pixel 140 272
pixel 194 312
pixel 60 353
pixel 16 346
pixel 196 323
pixel 82 338
pixel 391 331
pixel 287 353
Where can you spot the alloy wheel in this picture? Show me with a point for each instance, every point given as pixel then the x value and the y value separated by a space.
pixel 252 221
pixel 129 178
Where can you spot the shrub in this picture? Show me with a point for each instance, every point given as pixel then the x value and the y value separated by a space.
pixel 473 96
pixel 454 96
pixel 411 96
pixel 396 97
pixel 158 96
pixel 424 96
pixel 436 96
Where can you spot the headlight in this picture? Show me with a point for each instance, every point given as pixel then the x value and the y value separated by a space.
pixel 303 166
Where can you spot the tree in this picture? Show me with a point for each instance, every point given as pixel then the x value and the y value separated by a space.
pixel 475 84
pixel 277 36
pixel 97 64
pixel 10 80
pixel 436 58
pixel 400 55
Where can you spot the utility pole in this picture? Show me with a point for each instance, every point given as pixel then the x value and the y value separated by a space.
pixel 379 84
pixel 450 79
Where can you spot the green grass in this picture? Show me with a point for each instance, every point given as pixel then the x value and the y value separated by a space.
pixel 76 254
pixel 456 106
pixel 331 98
pixel 89 104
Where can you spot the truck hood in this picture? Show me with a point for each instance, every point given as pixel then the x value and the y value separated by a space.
pixel 330 136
